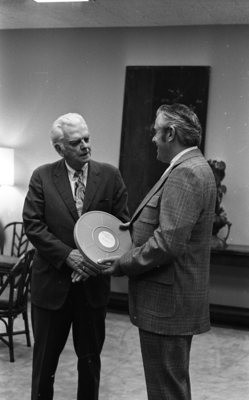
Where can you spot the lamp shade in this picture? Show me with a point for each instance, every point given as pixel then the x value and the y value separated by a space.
pixel 6 166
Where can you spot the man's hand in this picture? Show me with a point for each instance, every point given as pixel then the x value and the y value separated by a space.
pixel 111 265
pixel 82 268
pixel 76 276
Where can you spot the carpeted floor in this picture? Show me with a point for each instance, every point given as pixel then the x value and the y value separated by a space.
pixel 219 366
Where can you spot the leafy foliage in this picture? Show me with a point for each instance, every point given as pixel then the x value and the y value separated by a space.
pixel 220 217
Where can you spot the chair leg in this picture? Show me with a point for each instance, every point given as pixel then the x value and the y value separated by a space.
pixel 26 324
pixel 10 335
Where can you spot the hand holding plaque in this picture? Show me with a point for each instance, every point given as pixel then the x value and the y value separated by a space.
pixel 98 236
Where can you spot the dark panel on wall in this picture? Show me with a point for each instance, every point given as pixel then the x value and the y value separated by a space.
pixel 146 89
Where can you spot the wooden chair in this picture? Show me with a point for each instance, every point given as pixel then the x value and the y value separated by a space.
pixel 16 241
pixel 14 300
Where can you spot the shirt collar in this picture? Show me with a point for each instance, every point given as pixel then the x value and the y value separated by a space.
pixel 71 171
pixel 176 158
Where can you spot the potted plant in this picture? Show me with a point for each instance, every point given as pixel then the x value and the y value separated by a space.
pixel 220 217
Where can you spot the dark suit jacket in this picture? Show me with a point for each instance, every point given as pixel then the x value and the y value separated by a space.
pixel 49 217
pixel 168 265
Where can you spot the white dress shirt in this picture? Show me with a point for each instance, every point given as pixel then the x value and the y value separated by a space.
pixel 73 179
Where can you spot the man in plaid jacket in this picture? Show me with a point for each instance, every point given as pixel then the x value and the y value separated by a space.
pixel 168 264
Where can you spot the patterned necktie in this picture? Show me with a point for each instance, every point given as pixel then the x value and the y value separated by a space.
pixel 79 191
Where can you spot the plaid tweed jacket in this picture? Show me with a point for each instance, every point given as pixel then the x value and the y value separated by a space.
pixel 168 265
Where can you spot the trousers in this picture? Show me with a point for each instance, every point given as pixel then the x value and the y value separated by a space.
pixel 51 329
pixel 166 365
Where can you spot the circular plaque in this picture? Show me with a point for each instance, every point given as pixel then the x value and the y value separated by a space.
pixel 97 235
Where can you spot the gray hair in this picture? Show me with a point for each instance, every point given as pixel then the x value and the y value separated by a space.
pixel 59 126
pixel 185 122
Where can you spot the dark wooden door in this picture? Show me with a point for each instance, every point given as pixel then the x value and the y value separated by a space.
pixel 146 89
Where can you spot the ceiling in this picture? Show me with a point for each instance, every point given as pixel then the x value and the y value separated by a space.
pixel 24 14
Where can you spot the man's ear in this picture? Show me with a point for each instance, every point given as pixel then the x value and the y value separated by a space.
pixel 58 149
pixel 171 133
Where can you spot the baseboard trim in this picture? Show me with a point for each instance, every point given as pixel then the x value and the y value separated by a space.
pixel 228 315
pixel 219 315
pixel 118 303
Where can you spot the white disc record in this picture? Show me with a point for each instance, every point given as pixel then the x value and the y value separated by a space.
pixel 97 235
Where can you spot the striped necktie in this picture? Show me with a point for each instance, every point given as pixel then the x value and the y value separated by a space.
pixel 79 191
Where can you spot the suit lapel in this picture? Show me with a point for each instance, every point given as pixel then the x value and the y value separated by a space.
pixel 62 183
pixel 158 185
pixel 151 193
pixel 93 181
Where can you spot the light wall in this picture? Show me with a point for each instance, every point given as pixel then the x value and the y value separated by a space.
pixel 45 73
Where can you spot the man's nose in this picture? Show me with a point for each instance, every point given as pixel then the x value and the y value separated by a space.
pixel 83 143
